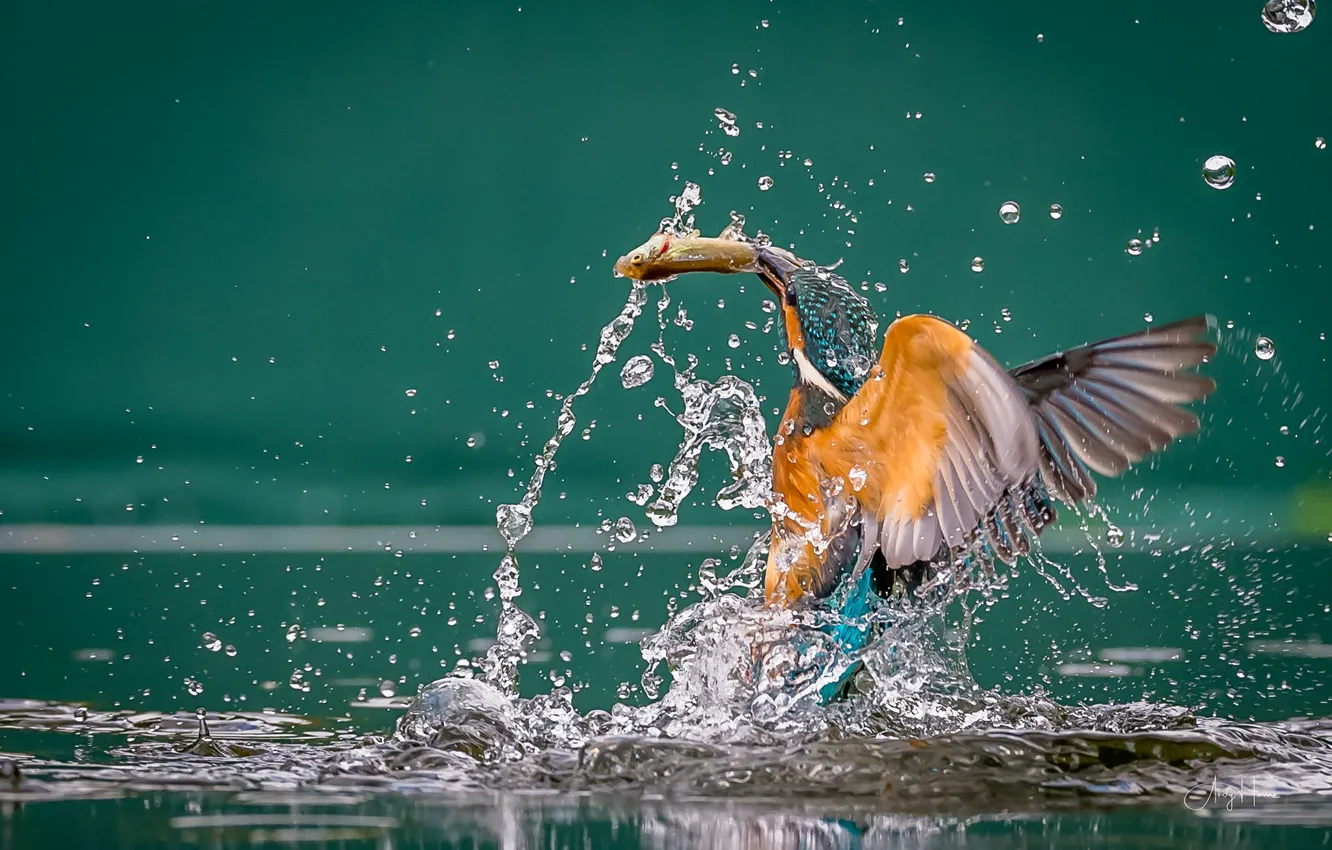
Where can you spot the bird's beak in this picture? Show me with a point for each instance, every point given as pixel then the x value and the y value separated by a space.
pixel 775 266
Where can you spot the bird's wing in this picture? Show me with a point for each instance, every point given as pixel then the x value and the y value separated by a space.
pixel 1105 406
pixel 952 447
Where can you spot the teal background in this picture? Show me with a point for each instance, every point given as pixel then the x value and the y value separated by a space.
pixel 236 237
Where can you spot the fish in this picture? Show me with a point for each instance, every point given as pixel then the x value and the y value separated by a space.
pixel 666 255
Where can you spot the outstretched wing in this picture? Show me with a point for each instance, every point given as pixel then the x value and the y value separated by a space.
pixel 1102 407
pixel 950 446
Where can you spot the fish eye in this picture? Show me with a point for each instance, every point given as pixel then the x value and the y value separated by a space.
pixel 636 259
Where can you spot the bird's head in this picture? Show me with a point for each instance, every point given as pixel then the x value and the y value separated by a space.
pixel 830 328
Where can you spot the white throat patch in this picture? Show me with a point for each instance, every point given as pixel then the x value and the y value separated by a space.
pixel 813 376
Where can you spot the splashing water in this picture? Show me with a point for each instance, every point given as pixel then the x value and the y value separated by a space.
pixel 515 520
pixel 516 628
pixel 724 416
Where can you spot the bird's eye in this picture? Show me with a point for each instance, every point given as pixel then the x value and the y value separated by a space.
pixel 636 259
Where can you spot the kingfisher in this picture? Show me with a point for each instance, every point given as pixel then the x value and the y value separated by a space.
pixel 896 459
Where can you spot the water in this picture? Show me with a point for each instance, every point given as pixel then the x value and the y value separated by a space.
pixel 1017 697
pixel 637 371
pixel 1219 171
pixel 1285 16
pixel 1010 212
pixel 727 740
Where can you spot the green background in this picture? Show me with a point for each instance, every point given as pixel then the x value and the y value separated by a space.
pixel 236 236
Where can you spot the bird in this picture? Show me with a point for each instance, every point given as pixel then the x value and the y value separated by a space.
pixel 896 458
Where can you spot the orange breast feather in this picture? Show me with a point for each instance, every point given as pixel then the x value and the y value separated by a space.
pixel 893 431
pixel 895 427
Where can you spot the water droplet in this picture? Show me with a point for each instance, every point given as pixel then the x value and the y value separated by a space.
pixel 1219 171
pixel 656 473
pixel 1264 348
pixel 193 686
pixel 231 650
pixel 763 24
pixel 293 632
pixel 1010 212
pixel 1280 461
pixel 513 522
pixel 857 477
pixel 1056 212
pixel 211 642
pixel 725 157
pixel 929 176
pixel 978 264
pixel 764 183
pixel 386 689
pixel 1288 15
pixel 411 393
pixel 726 120
pixel 641 494
pixel 625 532
pixel 1320 143
pixel 636 372
pixel 903 266
pixel 1148 318
pixel 594 563
pixel 733 341
pixel 297 680
pixel 1134 247
pixel 1114 535
pixel 201 712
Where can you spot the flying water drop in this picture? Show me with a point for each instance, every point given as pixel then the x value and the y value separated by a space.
pixel 1219 171
pixel 1114 535
pixel 1288 15
pixel 625 532
pixel 764 183
pixel 978 264
pixel 1134 247
pixel 1264 348
pixel 636 372
pixel 211 642
pixel 1010 212
pixel 1056 212
pixel 1320 143
pixel 929 176
pixel 726 120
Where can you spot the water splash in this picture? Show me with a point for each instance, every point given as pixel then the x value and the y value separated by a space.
pixel 724 416
pixel 515 520
pixel 516 628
